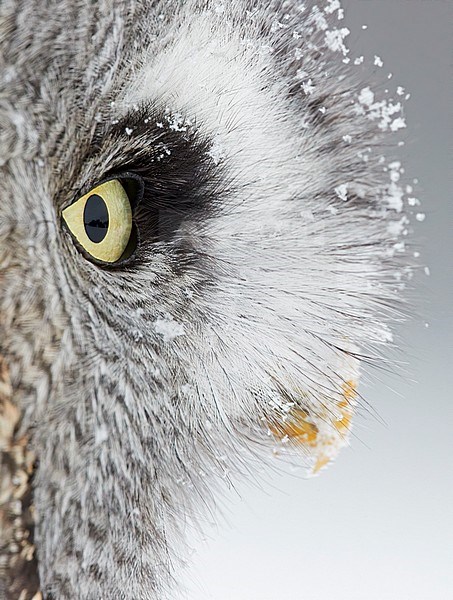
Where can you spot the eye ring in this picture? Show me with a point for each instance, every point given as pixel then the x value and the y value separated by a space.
pixel 101 221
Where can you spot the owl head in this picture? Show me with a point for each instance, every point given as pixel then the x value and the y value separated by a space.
pixel 199 243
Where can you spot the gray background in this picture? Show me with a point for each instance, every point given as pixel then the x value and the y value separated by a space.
pixel 378 524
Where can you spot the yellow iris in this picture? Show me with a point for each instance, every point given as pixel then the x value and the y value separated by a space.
pixel 101 221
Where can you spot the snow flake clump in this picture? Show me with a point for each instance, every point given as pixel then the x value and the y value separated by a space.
pixel 342 191
pixel 399 123
pixel 366 97
pixel 217 152
pixel 318 19
pixel 395 228
pixel 333 5
pixel 276 25
pixel 378 61
pixel 177 122
pixel 168 328
pixel 334 40
pixel 383 110
pixel 308 87
pixel 301 74
pixel 395 192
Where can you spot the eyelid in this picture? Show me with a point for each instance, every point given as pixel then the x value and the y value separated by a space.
pixel 133 185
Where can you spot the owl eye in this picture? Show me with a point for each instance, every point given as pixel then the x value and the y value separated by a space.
pixel 101 222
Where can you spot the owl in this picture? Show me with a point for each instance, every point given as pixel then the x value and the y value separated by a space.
pixel 201 240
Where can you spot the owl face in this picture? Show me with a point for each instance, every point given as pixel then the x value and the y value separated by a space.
pixel 197 244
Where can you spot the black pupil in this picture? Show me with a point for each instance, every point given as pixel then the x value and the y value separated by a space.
pixel 96 218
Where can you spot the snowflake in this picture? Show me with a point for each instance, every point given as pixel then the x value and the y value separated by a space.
pixel 342 191
pixel 334 40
